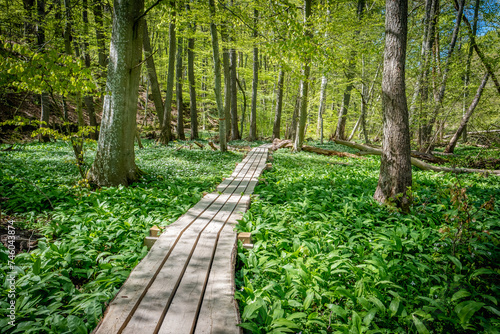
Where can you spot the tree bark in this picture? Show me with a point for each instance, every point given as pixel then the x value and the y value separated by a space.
pixel 465 119
pixel 166 131
pixel 304 85
pixel 180 104
pixel 114 163
pixel 153 78
pixel 255 83
pixel 234 95
pixel 192 85
pixel 340 130
pixel 279 105
pixel 227 81
pixel 427 146
pixel 217 78
pixel 395 169
pixel 88 99
pixel 321 110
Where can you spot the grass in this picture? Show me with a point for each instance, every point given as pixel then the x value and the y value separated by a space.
pixel 92 238
pixel 328 258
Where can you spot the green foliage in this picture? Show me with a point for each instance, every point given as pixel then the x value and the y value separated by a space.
pixel 328 258
pixel 92 239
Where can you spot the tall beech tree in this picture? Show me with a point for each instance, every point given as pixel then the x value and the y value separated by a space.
pixel 217 77
pixel 395 169
pixel 152 75
pixel 304 84
pixel 166 131
pixel 114 162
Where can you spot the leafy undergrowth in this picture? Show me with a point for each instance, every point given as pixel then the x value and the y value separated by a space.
pixel 328 259
pixel 92 238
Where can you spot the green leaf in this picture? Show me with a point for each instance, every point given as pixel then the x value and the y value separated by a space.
pixel 369 316
pixel 465 310
pixel 455 261
pixel 282 322
pixel 309 298
pixel 356 323
pixel 460 294
pixel 76 325
pixel 394 306
pixel 483 271
pixel 37 265
pixel 250 310
pixel 296 315
pixel 337 310
pixel 420 325
pixel 250 326
pixel 492 310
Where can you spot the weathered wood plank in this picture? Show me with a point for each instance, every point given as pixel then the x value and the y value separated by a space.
pixel 182 314
pixel 150 309
pixel 219 310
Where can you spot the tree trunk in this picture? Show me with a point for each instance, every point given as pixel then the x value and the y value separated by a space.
pixel 234 95
pixel 244 105
pixel 166 131
pixel 321 110
pixel 453 142
pixel 293 127
pixel 88 99
pixel 44 98
pixel 395 169
pixel 480 54
pixel 340 130
pixel 180 105
pixel 304 85
pixel 255 83
pixel 114 162
pixel 99 33
pixel 192 85
pixel 227 82
pixel 427 146
pixel 217 78
pixel 153 78
pixel 279 105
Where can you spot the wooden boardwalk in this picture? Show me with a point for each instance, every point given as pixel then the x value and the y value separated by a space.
pixel 186 282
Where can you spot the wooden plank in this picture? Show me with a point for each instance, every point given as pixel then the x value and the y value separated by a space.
pixel 241 171
pixel 141 277
pixel 182 314
pixel 219 311
pixel 149 311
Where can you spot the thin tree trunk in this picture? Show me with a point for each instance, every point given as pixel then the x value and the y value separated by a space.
pixel 279 105
pixel 44 98
pixel 340 130
pixel 180 104
pixel 395 169
pixel 217 78
pixel 192 85
pixel 227 82
pixel 480 54
pixel 88 99
pixel 427 146
pixel 244 106
pixel 99 32
pixel 467 66
pixel 255 83
pixel 295 116
pixel 465 119
pixel 304 85
pixel 234 95
pixel 322 105
pixel 166 131
pixel 153 78
pixel 114 163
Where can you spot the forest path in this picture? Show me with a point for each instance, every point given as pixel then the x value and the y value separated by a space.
pixel 186 282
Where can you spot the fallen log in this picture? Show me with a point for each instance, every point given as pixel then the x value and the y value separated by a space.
pixel 277 144
pixel 212 146
pixel 365 150
pixel 322 151
pixel 199 144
